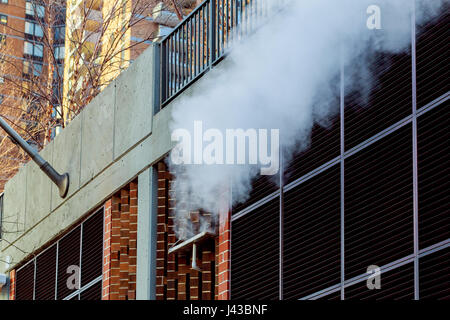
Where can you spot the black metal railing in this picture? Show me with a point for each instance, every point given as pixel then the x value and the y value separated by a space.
pixel 203 38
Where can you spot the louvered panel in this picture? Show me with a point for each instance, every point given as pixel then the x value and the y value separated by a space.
pixel 397 284
pixel 68 254
pixel 92 251
pixel 433 57
pixel 312 235
pixel 434 275
pixel 389 101
pixel 92 293
pixel 262 186
pixel 46 274
pixel 25 282
pixel 332 296
pixel 379 203
pixel 434 179
pixel 324 146
pixel 255 254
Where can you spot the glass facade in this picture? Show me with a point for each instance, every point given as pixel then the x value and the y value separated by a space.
pixel 50 275
pixel 371 189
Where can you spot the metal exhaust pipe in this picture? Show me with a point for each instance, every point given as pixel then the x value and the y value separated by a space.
pixel 61 180
pixel 194 258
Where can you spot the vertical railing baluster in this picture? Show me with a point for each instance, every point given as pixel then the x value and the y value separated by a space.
pixel 194 46
pixel 163 71
pixel 204 36
pixel 171 65
pixel 221 23
pixel 231 20
pixel 178 60
pixel 186 54
pixel 188 44
pixel 197 25
pixel 199 41
pixel 181 56
pixel 227 31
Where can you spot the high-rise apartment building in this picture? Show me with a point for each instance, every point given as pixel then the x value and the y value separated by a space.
pixel 32 57
pixel 104 36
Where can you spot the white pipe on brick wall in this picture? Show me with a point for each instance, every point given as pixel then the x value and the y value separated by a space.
pixel 194 258
pixel 3 279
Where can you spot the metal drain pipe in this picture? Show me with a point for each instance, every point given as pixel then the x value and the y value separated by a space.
pixel 61 180
pixel 194 258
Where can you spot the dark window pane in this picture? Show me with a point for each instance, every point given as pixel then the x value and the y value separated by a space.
pixel 312 235
pixel 434 275
pixel 68 255
pixel 46 274
pixel 332 296
pixel 379 203
pixel 92 251
pixel 324 146
pixel 432 58
pixel 262 186
pixel 433 159
pixel 25 282
pixel 92 293
pixel 397 284
pixel 389 101
pixel 255 254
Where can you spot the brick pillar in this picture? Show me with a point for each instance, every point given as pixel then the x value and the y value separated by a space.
pixel 132 252
pixel 12 285
pixel 115 249
pixel 208 275
pixel 119 255
pixel 124 243
pixel 174 276
pixel 161 234
pixel 223 257
pixel 107 251
pixel 172 286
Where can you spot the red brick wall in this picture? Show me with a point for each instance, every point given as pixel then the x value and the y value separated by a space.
pixel 120 243
pixel 12 285
pixel 223 256
pixel 106 284
pixel 175 278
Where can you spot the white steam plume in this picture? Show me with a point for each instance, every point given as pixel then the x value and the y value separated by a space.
pixel 286 76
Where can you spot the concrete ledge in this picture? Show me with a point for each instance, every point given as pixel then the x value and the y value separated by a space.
pixel 108 145
pixel 92 194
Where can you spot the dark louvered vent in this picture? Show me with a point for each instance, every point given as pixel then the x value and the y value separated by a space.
pixel 332 296
pixel 434 180
pixel 378 203
pixel 68 254
pixel 389 101
pixel 91 259
pixel 46 274
pixel 262 186
pixel 255 254
pixel 312 235
pixel 323 147
pixel 92 293
pixel 432 58
pixel 397 284
pixel 25 282
pixel 434 275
